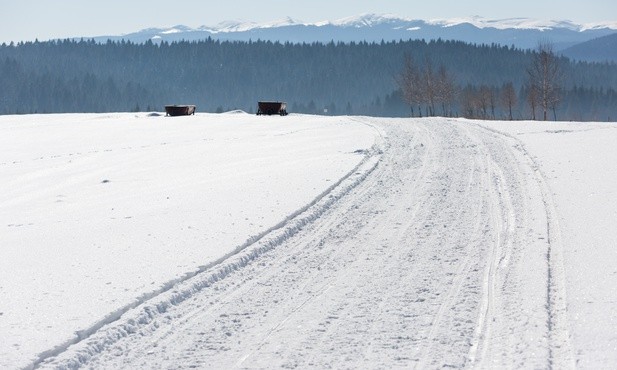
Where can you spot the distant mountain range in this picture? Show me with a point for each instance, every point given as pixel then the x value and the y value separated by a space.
pixel 600 49
pixel 523 33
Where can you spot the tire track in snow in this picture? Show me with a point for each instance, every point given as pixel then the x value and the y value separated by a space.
pixel 560 352
pixel 404 225
pixel 455 288
pixel 502 221
pixel 509 331
pixel 489 227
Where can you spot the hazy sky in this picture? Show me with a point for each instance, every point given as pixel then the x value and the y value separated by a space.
pixel 24 20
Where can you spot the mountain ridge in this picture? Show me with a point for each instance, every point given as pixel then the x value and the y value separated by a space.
pixel 523 33
pixel 372 19
pixel 601 49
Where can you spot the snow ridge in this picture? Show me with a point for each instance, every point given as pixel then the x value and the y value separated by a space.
pixel 148 307
pixel 396 22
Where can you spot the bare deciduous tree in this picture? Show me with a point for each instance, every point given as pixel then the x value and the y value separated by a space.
pixel 544 80
pixel 468 102
pixel 446 90
pixel 508 98
pixel 409 82
pixel 492 98
pixel 429 87
pixel 532 99
pixel 484 99
pixel 422 86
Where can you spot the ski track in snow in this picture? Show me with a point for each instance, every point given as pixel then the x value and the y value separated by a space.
pixel 440 250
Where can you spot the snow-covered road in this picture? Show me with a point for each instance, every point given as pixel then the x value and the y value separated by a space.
pixel 442 250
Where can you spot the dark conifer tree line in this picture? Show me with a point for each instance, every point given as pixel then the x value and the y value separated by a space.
pixel 332 78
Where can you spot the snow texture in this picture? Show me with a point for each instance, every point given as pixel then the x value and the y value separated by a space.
pixel 218 241
pixel 102 212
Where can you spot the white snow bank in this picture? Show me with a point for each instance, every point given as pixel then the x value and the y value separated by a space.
pixel 99 211
pixel 579 162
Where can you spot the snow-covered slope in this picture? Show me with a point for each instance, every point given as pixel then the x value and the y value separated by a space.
pixel 223 241
pixel 100 212
pixel 521 32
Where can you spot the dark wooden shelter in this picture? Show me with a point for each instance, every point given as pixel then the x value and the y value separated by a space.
pixel 271 107
pixel 179 110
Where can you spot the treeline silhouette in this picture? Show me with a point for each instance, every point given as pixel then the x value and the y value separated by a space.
pixel 331 78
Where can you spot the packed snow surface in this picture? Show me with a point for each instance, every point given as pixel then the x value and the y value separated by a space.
pixel 98 212
pixel 219 241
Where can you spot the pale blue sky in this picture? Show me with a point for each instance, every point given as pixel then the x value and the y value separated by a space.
pixel 24 20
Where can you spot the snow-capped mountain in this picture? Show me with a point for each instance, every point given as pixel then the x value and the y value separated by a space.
pixel 520 32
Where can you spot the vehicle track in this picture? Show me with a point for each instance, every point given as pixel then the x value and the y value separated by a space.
pixel 558 337
pixel 422 263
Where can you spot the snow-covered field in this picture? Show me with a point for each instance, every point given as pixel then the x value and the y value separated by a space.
pixel 217 241
pixel 99 212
